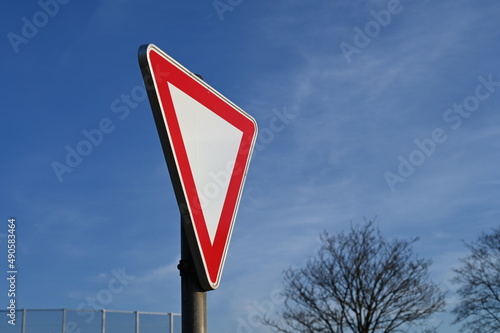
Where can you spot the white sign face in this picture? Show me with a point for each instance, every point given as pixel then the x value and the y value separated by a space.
pixel 211 145
pixel 207 142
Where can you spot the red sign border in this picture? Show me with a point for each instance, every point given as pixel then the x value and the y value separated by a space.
pixel 158 68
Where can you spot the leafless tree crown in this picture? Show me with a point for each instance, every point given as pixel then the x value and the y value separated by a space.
pixel 358 282
pixel 479 286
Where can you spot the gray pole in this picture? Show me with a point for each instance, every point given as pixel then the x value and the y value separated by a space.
pixel 194 298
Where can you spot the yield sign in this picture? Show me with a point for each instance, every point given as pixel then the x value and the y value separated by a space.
pixel 207 142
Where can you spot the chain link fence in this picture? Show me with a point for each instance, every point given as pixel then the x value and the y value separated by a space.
pixel 88 321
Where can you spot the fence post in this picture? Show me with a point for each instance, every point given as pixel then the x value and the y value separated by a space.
pixel 23 324
pixel 64 321
pixel 103 321
pixel 137 322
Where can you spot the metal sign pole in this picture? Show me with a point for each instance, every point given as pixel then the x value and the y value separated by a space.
pixel 193 297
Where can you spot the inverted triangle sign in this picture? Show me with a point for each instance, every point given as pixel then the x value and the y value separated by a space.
pixel 207 142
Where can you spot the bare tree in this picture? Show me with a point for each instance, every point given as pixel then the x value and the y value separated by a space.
pixel 479 285
pixel 358 282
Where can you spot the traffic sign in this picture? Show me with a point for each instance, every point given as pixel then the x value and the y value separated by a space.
pixel 207 142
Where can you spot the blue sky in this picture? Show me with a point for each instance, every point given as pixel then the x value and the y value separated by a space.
pixel 398 121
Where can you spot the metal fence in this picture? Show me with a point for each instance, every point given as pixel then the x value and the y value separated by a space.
pixel 87 321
